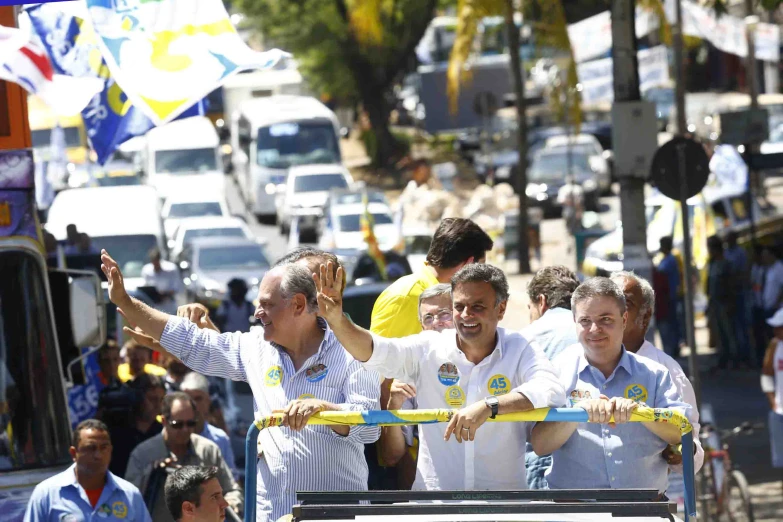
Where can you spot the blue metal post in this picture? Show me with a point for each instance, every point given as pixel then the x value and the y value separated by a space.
pixel 251 463
pixel 687 475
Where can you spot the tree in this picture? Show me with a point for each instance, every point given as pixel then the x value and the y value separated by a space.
pixel 350 50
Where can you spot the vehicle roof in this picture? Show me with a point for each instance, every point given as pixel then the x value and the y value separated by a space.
pixel 320 168
pixel 283 108
pixel 201 223
pixel 106 211
pixel 358 208
pixel 213 242
pixel 556 141
pixel 197 132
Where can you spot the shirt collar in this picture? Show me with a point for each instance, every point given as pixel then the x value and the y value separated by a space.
pixel 499 334
pixel 625 362
pixel 68 478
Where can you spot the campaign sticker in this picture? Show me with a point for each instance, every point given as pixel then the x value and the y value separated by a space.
pixel 274 376
pixel 448 374
pixel 316 372
pixel 119 509
pixel 636 392
pixel 104 511
pixel 498 385
pixel 306 396
pixel 578 395
pixel 455 396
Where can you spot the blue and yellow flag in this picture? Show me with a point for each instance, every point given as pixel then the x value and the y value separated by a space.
pixel 367 224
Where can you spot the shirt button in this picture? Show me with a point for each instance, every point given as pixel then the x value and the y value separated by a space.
pixel 613 479
pixel 604 386
pixel 609 454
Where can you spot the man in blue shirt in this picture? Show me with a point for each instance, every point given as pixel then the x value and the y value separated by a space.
pixel 87 490
pixel 669 326
pixel 600 376
pixel 552 328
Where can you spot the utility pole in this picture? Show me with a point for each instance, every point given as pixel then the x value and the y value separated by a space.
pixel 626 89
pixel 771 73
pixel 751 73
pixel 679 72
pixel 517 72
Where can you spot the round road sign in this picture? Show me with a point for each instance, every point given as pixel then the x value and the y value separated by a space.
pixel 665 170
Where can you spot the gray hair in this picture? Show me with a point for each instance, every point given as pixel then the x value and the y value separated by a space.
pixel 194 382
pixel 298 280
pixel 648 294
pixel 483 273
pixel 598 287
pixel 435 291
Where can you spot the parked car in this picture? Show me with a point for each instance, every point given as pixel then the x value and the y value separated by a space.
pixel 306 193
pixel 585 145
pixel 549 172
pixel 340 227
pixel 208 264
pixel 181 207
pixel 195 228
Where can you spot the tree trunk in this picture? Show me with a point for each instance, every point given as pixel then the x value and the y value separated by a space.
pixel 386 146
pixel 521 180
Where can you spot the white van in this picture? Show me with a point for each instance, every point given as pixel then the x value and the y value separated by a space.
pixel 124 220
pixel 184 154
pixel 269 135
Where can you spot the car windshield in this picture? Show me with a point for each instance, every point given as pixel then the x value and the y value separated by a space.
pixel 776 130
pixel 356 197
pixel 42 138
pixel 352 222
pixel 194 233
pixel 286 144
pixel 130 252
pixel 319 182
pixel 107 180
pixel 553 167
pixel 578 148
pixel 227 257
pixel 195 209
pixel 190 161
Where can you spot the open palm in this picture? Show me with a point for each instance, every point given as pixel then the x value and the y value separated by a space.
pixel 330 299
pixel 117 293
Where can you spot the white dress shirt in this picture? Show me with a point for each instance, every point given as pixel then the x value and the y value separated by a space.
pixel 685 388
pixel 314 459
pixel 168 279
pixel 444 378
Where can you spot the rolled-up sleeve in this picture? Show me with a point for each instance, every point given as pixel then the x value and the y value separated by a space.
pixel 399 358
pixel 206 351
pixel 540 380
pixel 362 392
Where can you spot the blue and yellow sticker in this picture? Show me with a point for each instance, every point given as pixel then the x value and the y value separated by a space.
pixel 448 374
pixel 498 384
pixel 455 396
pixel 316 372
pixel 119 509
pixel 306 396
pixel 274 376
pixel 636 392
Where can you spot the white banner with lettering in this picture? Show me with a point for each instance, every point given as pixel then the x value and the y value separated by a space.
pixel 596 76
pixel 727 33
pixel 592 37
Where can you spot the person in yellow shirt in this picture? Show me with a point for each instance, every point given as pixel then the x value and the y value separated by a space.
pixel 456 243
pixel 139 361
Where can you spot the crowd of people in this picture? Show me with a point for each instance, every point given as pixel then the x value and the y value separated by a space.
pixel 434 342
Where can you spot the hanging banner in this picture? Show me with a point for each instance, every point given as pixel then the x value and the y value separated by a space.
pixel 72 45
pixel 726 33
pixel 597 78
pixel 169 54
pixel 592 37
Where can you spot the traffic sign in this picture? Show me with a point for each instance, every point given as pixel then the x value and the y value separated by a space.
pixel 676 155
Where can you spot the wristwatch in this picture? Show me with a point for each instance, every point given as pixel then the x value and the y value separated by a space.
pixel 492 403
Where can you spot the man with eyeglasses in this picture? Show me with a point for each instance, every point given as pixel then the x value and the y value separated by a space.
pixel 177 445
pixel 87 490
pixel 399 445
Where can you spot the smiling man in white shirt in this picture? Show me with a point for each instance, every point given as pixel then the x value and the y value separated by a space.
pixel 480 368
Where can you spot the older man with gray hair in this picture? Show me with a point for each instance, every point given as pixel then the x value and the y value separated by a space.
pixel 606 380
pixel 640 303
pixel 197 387
pixel 294 364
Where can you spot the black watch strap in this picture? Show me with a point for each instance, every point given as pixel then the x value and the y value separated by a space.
pixel 493 403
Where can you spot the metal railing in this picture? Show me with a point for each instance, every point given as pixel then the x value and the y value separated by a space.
pixel 411 417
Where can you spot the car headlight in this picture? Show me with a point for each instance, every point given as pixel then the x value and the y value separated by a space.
pixel 270 188
pixel 598 164
pixel 589 184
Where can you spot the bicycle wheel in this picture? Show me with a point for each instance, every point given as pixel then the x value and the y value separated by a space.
pixel 738 506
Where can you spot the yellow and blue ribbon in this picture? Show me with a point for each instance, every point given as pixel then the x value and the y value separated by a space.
pixel 411 417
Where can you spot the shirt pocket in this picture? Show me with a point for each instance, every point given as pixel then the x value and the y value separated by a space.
pixel 65 513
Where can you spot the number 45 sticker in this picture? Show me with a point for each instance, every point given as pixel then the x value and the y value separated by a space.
pixel 498 384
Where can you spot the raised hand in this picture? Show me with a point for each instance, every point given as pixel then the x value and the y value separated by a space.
pixel 329 287
pixel 399 393
pixel 117 293
pixel 199 314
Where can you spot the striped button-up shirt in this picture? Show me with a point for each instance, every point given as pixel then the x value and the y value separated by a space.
pixel 315 458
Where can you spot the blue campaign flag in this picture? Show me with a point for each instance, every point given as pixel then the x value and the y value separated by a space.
pixel 109 119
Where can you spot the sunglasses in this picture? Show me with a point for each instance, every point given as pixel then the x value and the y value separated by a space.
pixel 178 425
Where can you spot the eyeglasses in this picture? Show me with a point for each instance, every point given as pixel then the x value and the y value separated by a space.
pixel 443 316
pixel 178 425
